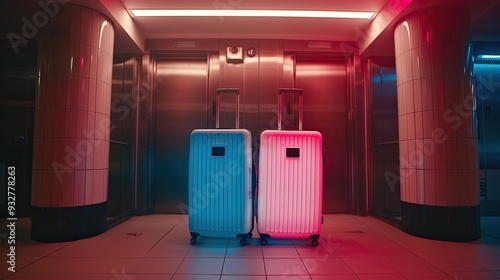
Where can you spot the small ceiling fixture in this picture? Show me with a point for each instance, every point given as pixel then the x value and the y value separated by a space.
pixel 252 13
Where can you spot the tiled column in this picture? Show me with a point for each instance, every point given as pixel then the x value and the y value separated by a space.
pixel 437 137
pixel 72 113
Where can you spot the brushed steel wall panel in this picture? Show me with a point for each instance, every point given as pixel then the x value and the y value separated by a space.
pixel 121 185
pixel 143 136
pixel 250 100
pixel 272 76
pixel 179 108
pixel 324 81
pixel 245 76
pixel 232 75
pixel 325 110
pixel 385 192
pixel 488 129
pixel 213 84
pixel 128 115
pixel 488 114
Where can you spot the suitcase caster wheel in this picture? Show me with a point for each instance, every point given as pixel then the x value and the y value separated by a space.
pixel 314 243
pixel 243 242
pixel 192 240
pixel 263 241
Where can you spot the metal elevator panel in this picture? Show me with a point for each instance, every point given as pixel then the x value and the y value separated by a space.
pixel 180 106
pixel 271 73
pixel 487 87
pixel 324 83
pixel 385 194
pixel 183 101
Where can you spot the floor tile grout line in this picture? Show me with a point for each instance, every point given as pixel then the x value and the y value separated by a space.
pixel 26 266
pixel 302 260
pixel 390 239
pixel 472 260
pixel 385 236
pixel 41 257
pixel 448 272
pixel 377 231
pixel 422 259
pixel 183 259
pixel 224 260
pixel 263 259
pixel 406 234
pixel 161 238
pixel 491 236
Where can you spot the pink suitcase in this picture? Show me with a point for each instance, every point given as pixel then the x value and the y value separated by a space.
pixel 290 191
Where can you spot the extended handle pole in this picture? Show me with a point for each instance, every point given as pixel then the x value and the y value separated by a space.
pixel 280 104
pixel 220 91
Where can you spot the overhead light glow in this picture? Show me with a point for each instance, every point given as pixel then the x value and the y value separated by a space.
pixel 252 13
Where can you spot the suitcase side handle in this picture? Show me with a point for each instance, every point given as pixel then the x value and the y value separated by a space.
pixel 280 104
pixel 220 91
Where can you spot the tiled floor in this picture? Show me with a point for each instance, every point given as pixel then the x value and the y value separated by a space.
pixel 351 247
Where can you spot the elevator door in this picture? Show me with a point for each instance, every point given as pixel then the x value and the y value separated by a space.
pixel 180 106
pixel 324 84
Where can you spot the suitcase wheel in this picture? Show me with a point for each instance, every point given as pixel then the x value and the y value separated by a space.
pixel 243 241
pixel 314 243
pixel 263 241
pixel 193 240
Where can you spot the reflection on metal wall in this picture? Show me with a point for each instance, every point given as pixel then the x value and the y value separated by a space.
pixel 385 192
pixel 183 101
pixel 180 106
pixel 487 78
pixel 244 76
pixel 325 110
pixel 121 192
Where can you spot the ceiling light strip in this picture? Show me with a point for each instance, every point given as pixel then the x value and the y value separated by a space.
pixel 252 13
pixel 490 56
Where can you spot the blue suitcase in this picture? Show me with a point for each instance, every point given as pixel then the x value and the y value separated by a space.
pixel 220 185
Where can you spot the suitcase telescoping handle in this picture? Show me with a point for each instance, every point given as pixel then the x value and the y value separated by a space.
pixel 220 91
pixel 280 104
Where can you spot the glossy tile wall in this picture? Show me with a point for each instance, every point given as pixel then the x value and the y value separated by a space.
pixel 437 138
pixel 72 111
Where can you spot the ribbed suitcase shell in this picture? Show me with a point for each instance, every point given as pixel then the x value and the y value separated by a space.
pixel 290 188
pixel 220 187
